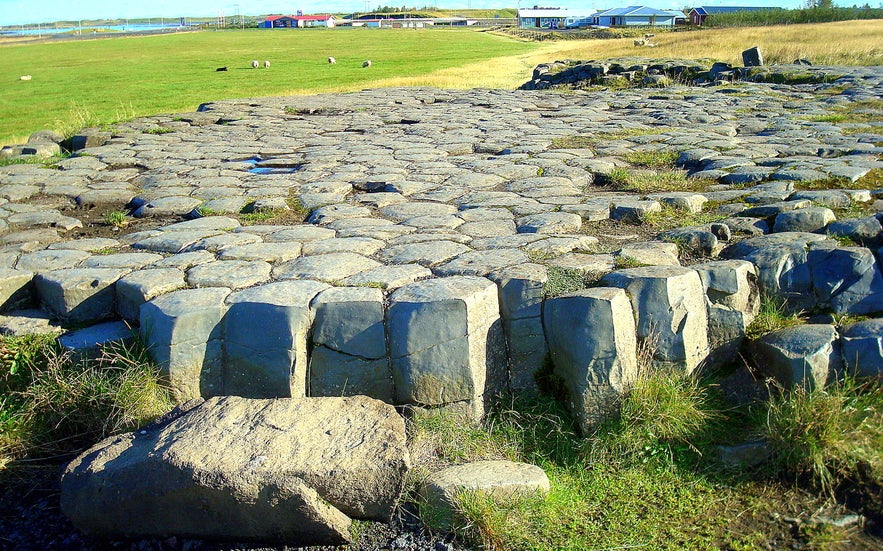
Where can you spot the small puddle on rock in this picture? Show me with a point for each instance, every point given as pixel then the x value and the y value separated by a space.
pixel 270 166
pixel 274 169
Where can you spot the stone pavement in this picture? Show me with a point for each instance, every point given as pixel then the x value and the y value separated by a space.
pixel 435 220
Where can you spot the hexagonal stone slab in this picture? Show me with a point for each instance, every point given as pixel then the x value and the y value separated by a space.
pixel 446 342
pixel 325 267
pixel 669 304
pixel 427 253
pixel 591 335
pixel 549 223
pixel 267 252
pixel 78 294
pixel 350 354
pixel 234 274
pixel 183 332
pixel 136 288
pixel 269 359
pixel 389 277
pixel 862 347
pixel 803 355
pixel 481 263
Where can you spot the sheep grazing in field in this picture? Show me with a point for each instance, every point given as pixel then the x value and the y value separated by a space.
pixel 24 77
pixel 266 65
pixel 219 69
pixel 255 64
pixel 366 63
pixel 648 36
pixel 331 60
pixel 640 42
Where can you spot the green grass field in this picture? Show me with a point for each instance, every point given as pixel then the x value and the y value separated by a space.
pixel 80 83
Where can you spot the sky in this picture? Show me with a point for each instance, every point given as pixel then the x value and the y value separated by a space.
pixel 31 12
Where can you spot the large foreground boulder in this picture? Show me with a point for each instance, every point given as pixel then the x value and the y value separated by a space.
pixel 278 470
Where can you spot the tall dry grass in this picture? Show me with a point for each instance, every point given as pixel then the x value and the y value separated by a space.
pixel 840 43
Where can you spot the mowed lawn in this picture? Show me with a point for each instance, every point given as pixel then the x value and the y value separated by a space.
pixel 106 80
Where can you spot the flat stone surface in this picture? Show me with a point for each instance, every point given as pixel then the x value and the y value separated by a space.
pixel 498 479
pixel 325 267
pixel 429 253
pixel 91 339
pixel 234 274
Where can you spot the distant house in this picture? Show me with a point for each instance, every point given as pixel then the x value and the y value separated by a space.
pixel 698 15
pixel 278 22
pixel 643 16
pixel 551 18
pixel 314 21
pixel 297 21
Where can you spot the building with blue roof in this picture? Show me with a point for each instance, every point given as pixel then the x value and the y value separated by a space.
pixel 698 15
pixel 643 16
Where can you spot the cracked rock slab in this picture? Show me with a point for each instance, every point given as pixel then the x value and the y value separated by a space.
pixel 276 471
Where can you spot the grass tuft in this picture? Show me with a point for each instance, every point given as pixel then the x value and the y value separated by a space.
pixel 772 316
pixel 116 218
pixel 561 281
pixel 652 159
pixel 54 404
pixel 823 434
pixel 652 181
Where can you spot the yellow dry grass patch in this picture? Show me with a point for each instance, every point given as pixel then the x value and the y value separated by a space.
pixel 840 43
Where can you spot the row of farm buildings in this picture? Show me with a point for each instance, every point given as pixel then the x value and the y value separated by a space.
pixel 528 18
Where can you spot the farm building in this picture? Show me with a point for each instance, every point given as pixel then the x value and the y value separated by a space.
pixel 297 21
pixel 698 15
pixel 643 16
pixel 552 18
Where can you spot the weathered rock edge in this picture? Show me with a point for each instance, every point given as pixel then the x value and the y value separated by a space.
pixel 288 471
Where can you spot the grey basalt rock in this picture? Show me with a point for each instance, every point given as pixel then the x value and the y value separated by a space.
pixel 669 305
pixel 78 294
pixel 89 340
pixel 862 348
pixel 804 355
pixel 16 289
pixel 136 288
pixel 349 354
pixel 650 253
pixel 269 359
pixel 283 471
pixel 183 332
pixel 549 223
pixel 521 295
pixel 50 259
pixel 809 219
pixel 734 300
pixel 865 231
pixel 846 279
pixel 325 267
pixel 782 266
pixel 591 336
pixel 499 479
pixel 480 263
pixel 446 343
pixel 235 274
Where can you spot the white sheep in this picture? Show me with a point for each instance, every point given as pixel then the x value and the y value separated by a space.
pixel 266 65
pixel 366 63
pixel 331 60
pixel 24 77
pixel 255 64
